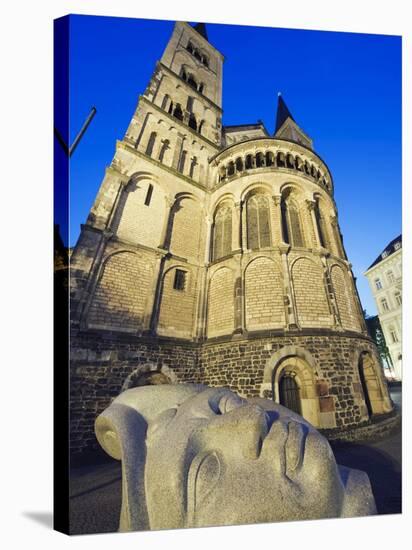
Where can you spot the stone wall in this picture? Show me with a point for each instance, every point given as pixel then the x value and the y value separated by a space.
pixel 100 366
pixel 102 363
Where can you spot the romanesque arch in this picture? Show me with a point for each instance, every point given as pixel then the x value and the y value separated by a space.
pixel 258 228
pixel 310 294
pixel 222 230
pixel 264 307
pixel 220 314
pixel 149 374
pixel 140 211
pixel 374 390
pixel 297 364
pixel 186 223
pixel 120 298
pixel 177 302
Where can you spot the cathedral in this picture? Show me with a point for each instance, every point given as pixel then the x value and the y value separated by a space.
pixel 213 254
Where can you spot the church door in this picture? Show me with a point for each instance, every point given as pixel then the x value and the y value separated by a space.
pixel 289 395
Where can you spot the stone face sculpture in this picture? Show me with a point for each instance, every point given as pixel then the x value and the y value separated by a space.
pixel 197 456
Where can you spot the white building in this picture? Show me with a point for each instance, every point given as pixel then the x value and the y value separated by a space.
pixel 385 280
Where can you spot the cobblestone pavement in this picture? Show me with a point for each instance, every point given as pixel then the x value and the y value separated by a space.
pixel 96 490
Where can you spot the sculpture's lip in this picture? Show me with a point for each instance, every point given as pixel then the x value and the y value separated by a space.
pixel 294 447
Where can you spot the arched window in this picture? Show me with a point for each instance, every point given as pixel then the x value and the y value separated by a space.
pixel 248 162
pixel 170 110
pixel 164 148
pixel 270 158
pixel 197 55
pixel 193 165
pixel 239 164
pixel 295 226
pixel 222 232
pixel 320 222
pixel 289 393
pixel 258 222
pixel 280 159
pixel 192 122
pixel 192 82
pixel 150 144
pixel 190 47
pixel 290 161
pixel 291 224
pixel 165 102
pixel 201 126
pixel 182 161
pixel 230 168
pixel 177 113
pixel 259 160
pixel 201 88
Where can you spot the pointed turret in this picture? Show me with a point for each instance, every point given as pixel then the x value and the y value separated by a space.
pixel 283 113
pixel 286 127
pixel 201 29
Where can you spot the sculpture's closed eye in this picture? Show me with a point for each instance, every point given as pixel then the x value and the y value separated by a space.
pixel 203 475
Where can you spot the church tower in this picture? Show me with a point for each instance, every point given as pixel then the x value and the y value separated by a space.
pixel 213 254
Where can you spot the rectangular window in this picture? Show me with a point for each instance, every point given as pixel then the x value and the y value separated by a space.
pixel 391 277
pixel 398 298
pixel 384 304
pixel 394 336
pixel 149 195
pixel 180 280
pixel 378 284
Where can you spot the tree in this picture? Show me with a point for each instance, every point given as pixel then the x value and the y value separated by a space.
pixel 376 333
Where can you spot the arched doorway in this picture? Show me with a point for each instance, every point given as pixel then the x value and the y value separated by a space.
pixel 289 393
pixel 375 394
pixel 149 374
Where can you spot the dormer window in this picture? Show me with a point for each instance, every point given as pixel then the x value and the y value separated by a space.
pixel 397 246
pixel 384 254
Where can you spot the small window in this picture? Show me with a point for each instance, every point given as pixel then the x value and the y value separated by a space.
pixel 391 277
pixel 149 195
pixel 384 304
pixel 378 284
pixel 397 246
pixel 384 254
pixel 398 298
pixel 180 280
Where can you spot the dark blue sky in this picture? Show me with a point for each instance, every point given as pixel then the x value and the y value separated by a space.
pixel 343 89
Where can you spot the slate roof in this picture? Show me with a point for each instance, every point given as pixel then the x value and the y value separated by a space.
pixel 389 249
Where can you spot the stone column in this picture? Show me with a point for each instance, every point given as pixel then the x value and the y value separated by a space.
pixel 163 236
pixel 237 227
pixel 288 296
pixel 208 237
pixel 278 224
pixel 178 150
pixel 243 226
pixel 311 207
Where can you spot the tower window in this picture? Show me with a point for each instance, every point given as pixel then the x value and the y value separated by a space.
pixel 148 194
pixel 150 144
pixel 201 88
pixel 182 161
pixel 180 280
pixel 192 167
pixel 393 334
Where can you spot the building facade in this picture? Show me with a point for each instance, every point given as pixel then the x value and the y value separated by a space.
pixel 385 280
pixel 213 254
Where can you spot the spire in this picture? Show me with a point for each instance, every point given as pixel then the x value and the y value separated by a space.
pixel 283 113
pixel 201 29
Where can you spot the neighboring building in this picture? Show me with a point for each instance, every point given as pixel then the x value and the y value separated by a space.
pixel 213 254
pixel 385 279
